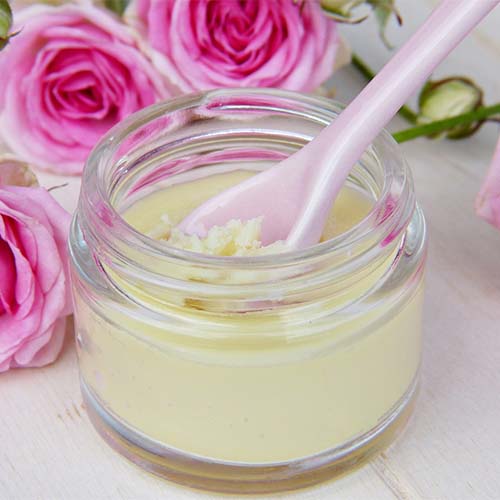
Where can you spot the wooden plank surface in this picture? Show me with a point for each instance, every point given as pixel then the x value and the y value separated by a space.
pixel 450 450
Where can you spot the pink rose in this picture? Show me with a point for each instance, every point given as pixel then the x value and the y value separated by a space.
pixel 34 288
pixel 69 75
pixel 488 199
pixel 203 44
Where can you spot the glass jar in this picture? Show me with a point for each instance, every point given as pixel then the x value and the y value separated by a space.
pixel 247 374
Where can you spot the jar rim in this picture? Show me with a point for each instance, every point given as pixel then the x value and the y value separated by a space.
pixel 101 156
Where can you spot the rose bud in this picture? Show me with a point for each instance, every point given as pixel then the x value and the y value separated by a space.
pixel 14 172
pixel 448 98
pixel 5 23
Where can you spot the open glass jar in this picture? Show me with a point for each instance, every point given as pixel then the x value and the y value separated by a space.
pixel 247 374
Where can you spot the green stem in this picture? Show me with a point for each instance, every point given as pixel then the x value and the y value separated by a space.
pixel 408 114
pixel 405 111
pixel 436 127
pixel 362 67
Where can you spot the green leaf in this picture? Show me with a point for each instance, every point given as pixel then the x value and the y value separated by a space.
pixel 340 8
pixel 384 10
pixel 5 23
pixel 117 6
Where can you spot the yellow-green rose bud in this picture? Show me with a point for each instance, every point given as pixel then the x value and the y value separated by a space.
pixel 5 23
pixel 449 98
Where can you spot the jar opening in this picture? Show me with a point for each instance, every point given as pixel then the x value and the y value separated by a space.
pixel 214 132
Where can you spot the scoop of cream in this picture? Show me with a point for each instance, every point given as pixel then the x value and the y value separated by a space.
pixel 236 238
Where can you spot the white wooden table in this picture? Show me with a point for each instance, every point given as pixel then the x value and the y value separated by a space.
pixel 450 450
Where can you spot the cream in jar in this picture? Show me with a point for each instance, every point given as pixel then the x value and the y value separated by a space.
pixel 256 372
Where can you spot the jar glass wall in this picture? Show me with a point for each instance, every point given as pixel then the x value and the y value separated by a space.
pixel 244 374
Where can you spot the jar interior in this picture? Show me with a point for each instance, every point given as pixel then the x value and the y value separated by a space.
pixel 201 141
pixel 227 131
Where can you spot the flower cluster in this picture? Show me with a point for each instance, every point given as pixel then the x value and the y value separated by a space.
pixel 70 72
pixel 75 70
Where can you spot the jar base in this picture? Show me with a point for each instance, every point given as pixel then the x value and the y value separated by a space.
pixel 228 477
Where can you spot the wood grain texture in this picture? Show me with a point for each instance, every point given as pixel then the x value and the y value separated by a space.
pixel 450 450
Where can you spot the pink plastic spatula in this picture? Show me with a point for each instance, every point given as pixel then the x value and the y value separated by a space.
pixel 295 196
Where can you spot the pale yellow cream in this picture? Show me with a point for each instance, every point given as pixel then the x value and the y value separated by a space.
pixel 236 238
pixel 267 392
pixel 158 214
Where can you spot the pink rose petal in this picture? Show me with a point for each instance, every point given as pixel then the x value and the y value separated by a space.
pixel 44 349
pixel 488 199
pixel 7 279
